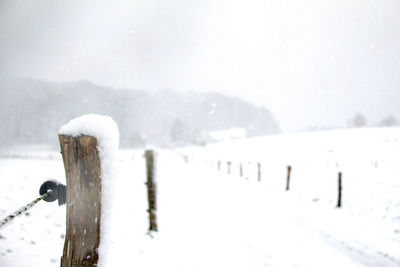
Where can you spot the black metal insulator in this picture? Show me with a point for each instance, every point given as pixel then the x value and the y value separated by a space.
pixel 56 190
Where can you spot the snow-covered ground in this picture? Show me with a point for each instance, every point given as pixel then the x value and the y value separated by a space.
pixel 210 218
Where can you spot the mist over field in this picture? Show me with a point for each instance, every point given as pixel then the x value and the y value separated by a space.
pixel 34 111
pixel 313 65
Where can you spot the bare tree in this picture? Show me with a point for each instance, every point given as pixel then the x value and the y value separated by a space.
pixel 359 120
pixel 389 121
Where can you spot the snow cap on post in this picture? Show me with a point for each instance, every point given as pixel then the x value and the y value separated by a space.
pixel 105 130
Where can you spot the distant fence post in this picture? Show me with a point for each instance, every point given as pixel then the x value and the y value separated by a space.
pixel 219 165
pixel 228 164
pixel 339 200
pixel 289 169
pixel 82 169
pixel 259 171
pixel 151 183
pixel 241 169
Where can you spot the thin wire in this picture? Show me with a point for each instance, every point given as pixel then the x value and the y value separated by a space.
pixel 23 209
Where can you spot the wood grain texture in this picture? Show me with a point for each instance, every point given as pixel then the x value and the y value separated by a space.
pixel 82 169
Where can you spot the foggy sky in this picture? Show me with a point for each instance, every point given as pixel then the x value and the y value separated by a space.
pixel 311 63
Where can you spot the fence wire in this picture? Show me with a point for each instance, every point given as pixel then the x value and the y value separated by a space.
pixel 23 209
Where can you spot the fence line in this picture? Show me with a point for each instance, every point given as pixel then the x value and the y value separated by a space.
pixel 259 173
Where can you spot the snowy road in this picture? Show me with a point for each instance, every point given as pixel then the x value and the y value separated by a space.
pixel 206 218
pixel 269 228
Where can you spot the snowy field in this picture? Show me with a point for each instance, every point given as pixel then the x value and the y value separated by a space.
pixel 208 217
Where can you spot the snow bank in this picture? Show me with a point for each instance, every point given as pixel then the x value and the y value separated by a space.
pixel 105 130
pixel 233 133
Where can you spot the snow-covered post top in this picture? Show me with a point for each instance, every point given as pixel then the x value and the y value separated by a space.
pixel 89 146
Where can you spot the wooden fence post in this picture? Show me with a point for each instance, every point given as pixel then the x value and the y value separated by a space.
pixel 289 168
pixel 259 171
pixel 339 200
pixel 219 165
pixel 241 169
pixel 228 164
pixel 151 188
pixel 82 169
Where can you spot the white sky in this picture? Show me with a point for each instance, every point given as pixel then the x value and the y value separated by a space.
pixel 313 62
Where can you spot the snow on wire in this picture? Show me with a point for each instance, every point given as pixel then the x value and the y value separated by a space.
pixel 23 209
